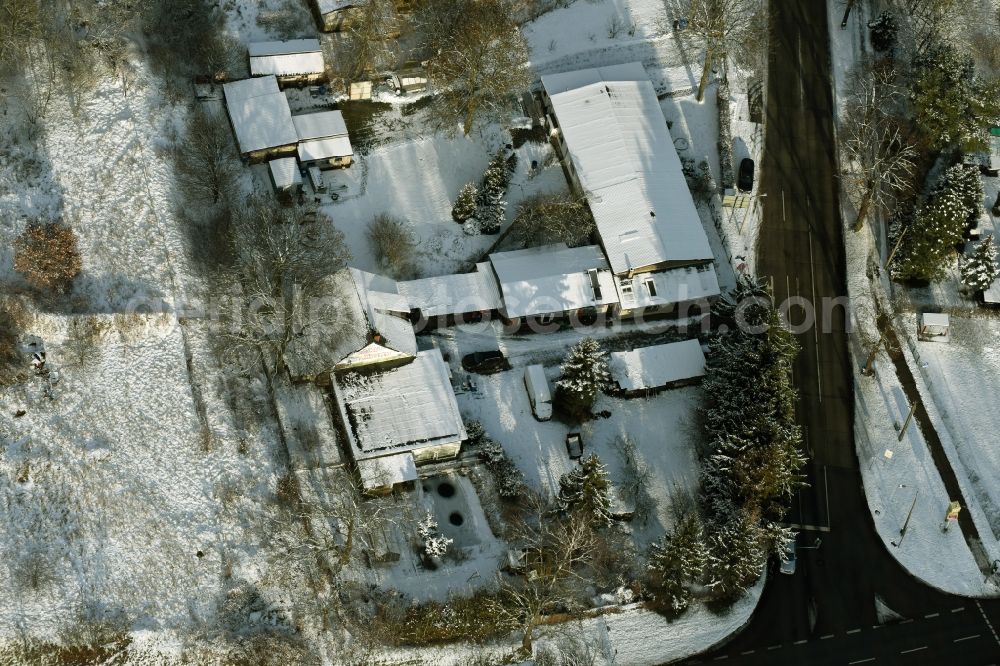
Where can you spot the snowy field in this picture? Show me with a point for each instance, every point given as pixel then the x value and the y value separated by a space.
pixel 122 503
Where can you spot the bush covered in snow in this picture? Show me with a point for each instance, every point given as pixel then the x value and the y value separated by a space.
pixel 435 543
pixel 584 375
pixel 47 255
pixel 883 32
pixel 507 478
pixel 980 270
pixel 393 245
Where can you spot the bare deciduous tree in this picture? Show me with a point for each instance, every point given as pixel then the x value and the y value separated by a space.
pixel 393 245
pixel 207 164
pixel 368 45
pixel 880 155
pixel 477 59
pixel 549 218
pixel 556 549
pixel 282 263
pixel 729 28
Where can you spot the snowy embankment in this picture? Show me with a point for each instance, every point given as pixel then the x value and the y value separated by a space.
pixel 901 481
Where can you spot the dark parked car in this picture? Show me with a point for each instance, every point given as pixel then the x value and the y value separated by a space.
pixel 485 363
pixel 744 181
pixel 574 445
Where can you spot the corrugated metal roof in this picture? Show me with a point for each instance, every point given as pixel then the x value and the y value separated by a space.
pixel 454 294
pixel 327 6
pixel 322 149
pixel 659 365
pixel 285 172
pixel 320 125
pixel 552 279
pixel 259 113
pixel 288 58
pixel 625 159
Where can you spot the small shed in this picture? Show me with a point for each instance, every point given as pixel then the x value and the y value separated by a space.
pixel 293 62
pixel 650 369
pixel 285 176
pixel 935 326
pixel 323 139
pixel 410 80
pixel 359 90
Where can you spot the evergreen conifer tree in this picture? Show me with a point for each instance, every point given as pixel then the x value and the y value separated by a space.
pixel 930 242
pixel 678 561
pixel 584 491
pixel 980 270
pixel 883 31
pixel 465 203
pixel 584 374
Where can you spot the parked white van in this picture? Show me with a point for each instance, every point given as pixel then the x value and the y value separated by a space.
pixel 538 392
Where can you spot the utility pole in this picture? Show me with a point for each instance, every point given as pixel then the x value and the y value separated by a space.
pixel 906 423
pixel 847 14
pixel 868 370
pixel 906 523
pixel 895 247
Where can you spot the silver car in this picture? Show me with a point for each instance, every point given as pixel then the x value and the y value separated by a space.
pixel 788 559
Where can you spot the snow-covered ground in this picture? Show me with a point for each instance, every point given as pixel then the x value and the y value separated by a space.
pixel 417 180
pixel 900 477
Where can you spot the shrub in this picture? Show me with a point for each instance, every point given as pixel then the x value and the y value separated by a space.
pixel 47 255
pixel 465 203
pixel 466 618
pixel 393 245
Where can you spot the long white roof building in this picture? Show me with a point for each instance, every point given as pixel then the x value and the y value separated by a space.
pixel 288 58
pixel 623 157
pixel 259 113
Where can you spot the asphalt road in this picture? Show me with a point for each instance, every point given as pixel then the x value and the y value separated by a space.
pixel 826 612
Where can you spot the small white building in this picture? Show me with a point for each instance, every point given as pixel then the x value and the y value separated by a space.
pixel 682 291
pixel 261 119
pixel 650 369
pixel 285 176
pixel 935 326
pixel 554 281
pixel 398 418
pixel 323 139
pixel 292 62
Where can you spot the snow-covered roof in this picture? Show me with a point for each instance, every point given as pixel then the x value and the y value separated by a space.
pixel 327 6
pixel 285 172
pixel 674 285
pixel 288 58
pixel 620 149
pixel 322 135
pixel 320 125
pixel 935 319
pixel 324 149
pixel 407 407
pixel 259 113
pixel 387 471
pixel 659 365
pixel 553 279
pixel 454 294
pixel 372 327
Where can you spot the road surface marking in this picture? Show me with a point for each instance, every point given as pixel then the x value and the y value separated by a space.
pixel 748 652
pixel 930 615
pixel 773 647
pixel 906 621
pixel 918 649
pixel 800 642
pixel 861 661
pixel 823 638
pixel 966 638
pixel 854 631
pixel 725 656
pixel 819 369
pixel 802 92
pixel 958 610
pixel 988 623
pixel 782 205
pixel 810 528
pixel 826 493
